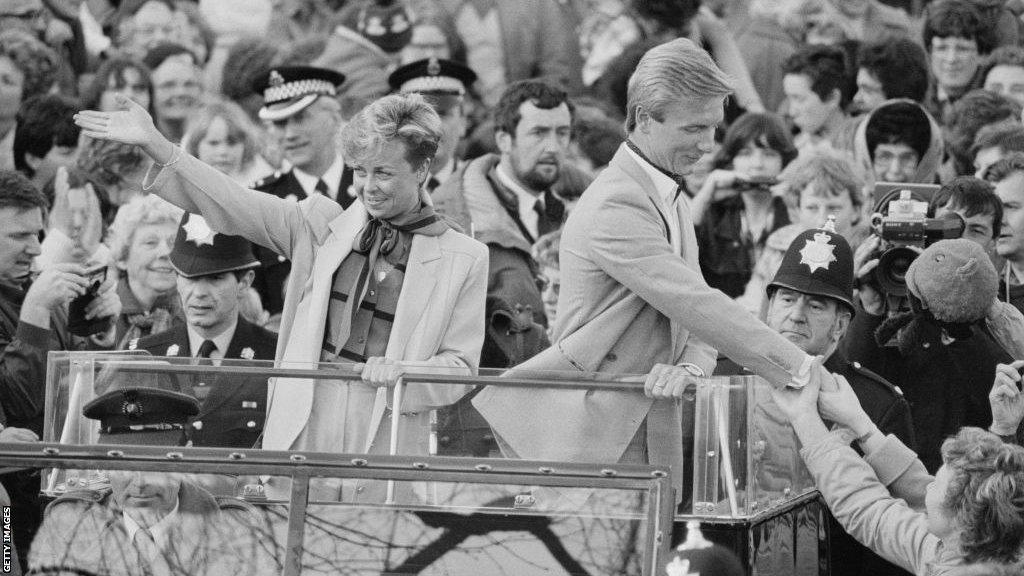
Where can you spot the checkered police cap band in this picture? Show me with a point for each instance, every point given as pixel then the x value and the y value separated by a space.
pixel 443 84
pixel 289 90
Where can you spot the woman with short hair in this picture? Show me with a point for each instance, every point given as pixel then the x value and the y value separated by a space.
pixel 385 284
pixel 971 511
pixel 140 241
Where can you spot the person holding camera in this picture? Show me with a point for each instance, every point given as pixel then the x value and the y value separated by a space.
pixel 735 210
pixel 34 319
pixel 942 352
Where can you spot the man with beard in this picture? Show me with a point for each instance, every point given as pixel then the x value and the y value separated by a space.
pixel 505 201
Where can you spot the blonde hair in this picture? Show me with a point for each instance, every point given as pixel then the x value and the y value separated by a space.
pixel 831 172
pixel 405 117
pixel 673 72
pixel 139 211
pixel 240 128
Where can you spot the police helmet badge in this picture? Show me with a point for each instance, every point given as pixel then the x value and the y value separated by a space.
pixel 198 231
pixel 818 253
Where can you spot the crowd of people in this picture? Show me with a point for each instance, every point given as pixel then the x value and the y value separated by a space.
pixel 828 194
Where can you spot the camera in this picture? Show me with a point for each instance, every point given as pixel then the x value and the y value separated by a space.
pixel 904 230
pixel 762 183
pixel 77 322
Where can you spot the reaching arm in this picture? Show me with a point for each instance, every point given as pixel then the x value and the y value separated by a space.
pixel 643 261
pixel 197 187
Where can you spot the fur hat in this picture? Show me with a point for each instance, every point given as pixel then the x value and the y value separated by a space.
pixel 955 280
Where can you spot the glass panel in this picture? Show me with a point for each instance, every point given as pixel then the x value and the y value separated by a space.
pixel 163 521
pixel 739 456
pixel 508 534
pixel 172 516
pixel 746 455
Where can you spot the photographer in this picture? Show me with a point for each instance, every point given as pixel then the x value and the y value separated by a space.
pixel 943 352
pixel 735 210
pixel 33 321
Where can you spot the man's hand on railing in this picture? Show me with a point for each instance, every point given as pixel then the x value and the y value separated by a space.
pixel 668 381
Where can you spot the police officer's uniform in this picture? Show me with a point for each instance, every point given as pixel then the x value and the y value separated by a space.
pixel 444 84
pixel 233 407
pixel 820 262
pixel 287 90
pixel 85 531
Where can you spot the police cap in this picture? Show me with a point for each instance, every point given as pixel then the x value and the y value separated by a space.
pixel 141 415
pixel 818 262
pixel 432 76
pixel 199 251
pixel 287 90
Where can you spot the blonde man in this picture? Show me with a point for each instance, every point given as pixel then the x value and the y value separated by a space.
pixel 632 296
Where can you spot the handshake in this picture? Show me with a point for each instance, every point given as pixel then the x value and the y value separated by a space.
pixel 667 381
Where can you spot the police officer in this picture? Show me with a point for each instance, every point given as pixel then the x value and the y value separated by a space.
pixel 445 85
pixel 303 117
pixel 811 304
pixel 214 272
pixel 149 522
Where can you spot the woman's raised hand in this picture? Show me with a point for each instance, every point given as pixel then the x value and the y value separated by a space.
pixel 132 124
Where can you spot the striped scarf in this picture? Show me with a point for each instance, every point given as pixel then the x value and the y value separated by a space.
pixel 359 319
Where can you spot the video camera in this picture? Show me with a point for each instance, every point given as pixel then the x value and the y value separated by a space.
pixel 905 229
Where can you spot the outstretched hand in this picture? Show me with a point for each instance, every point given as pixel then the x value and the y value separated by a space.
pixel 132 124
pixel 1006 399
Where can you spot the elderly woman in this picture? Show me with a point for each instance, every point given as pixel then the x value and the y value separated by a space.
pixel 384 284
pixel 140 241
pixel 973 508
pixel 224 137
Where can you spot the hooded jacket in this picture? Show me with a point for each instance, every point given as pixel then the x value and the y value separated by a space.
pixel 927 166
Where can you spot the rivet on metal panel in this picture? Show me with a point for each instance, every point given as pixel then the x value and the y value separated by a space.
pixel 297 458
pixel 609 472
pixel 175 455
pixel 115 453
pixel 236 456
pixel 420 465
pixel 359 461
pixel 51 451
pixel 545 470
pixel 659 474
pixel 483 467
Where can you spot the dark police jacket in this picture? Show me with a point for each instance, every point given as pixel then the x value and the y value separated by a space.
pixel 271 276
pixel 232 414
